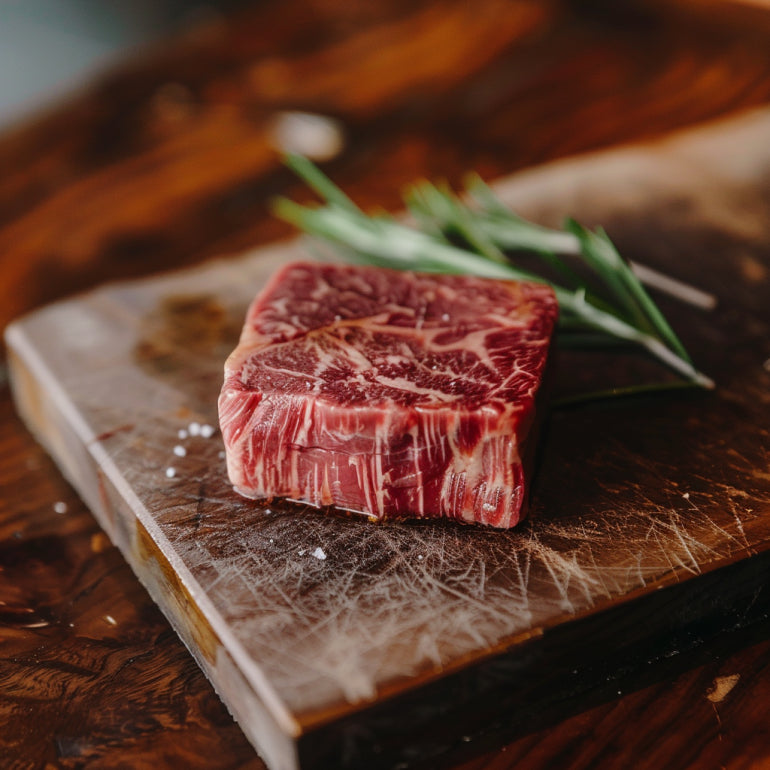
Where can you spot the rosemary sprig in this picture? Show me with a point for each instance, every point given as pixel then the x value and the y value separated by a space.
pixel 454 237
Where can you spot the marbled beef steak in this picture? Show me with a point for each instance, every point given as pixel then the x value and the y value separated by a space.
pixel 393 394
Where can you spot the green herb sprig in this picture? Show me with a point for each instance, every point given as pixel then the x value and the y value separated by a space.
pixel 608 305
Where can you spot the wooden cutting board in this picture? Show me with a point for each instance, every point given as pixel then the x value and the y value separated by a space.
pixel 336 642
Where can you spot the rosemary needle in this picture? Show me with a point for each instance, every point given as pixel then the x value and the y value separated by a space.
pixel 453 236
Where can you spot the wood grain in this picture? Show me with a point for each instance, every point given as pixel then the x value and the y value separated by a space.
pixel 90 672
pixel 169 161
pixel 136 174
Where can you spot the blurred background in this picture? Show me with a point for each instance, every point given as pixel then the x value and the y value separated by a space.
pixel 144 136
pixel 48 47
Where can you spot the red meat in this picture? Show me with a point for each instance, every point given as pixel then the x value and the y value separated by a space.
pixel 389 393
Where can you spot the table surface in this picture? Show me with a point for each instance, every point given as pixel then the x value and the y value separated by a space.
pixel 170 159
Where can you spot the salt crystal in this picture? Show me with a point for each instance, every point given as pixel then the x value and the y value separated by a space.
pixel 222 455
pixel 445 317
pixel 60 507
pixel 301 552
pixel 207 431
pixel 419 556
pixel 686 495
pixel 179 450
pixel 170 473
pixel 194 428
pixel 182 433
pixel 319 553
pixel 111 620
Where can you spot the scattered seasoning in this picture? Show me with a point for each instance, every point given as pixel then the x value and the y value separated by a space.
pixel 111 620
pixel 301 552
pixel 182 433
pixel 686 495
pixel 194 429
pixel 60 507
pixel 207 431
pixel 179 450
pixel 170 473
pixel 222 454
pixel 319 553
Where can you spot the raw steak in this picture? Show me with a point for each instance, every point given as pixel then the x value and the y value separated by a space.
pixel 389 393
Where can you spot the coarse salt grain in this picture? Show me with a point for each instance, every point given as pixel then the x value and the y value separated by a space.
pixel 319 553
pixel 194 429
pixel 207 431
pixel 179 450
pixel 170 473
pixel 182 433
pixel 60 507
pixel 111 620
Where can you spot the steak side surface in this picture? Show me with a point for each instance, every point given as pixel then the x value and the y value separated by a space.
pixel 389 393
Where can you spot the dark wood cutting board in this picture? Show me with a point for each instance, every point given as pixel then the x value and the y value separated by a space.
pixel 336 642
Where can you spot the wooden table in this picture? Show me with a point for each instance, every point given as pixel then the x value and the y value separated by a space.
pixel 170 160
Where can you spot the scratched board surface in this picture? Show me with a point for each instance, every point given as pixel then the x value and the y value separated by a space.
pixel 300 618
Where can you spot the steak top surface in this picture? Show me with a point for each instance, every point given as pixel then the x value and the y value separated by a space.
pixel 366 335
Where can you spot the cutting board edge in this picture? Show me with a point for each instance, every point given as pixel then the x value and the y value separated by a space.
pixel 86 466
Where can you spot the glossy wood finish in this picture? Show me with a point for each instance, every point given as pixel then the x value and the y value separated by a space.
pixel 140 174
